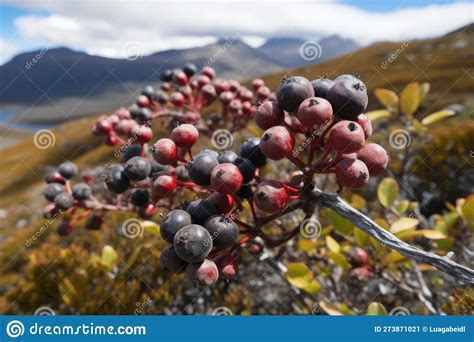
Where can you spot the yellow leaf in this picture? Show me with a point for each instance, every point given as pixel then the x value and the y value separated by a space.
pixel 376 309
pixel 392 258
pixel 410 99
pixel 402 206
pixel 332 244
pixel 340 259
pixel 109 257
pixel 360 237
pixel 378 114
pixel 402 224
pixel 438 116
pixel 424 90
pixel 308 245
pixel 330 309
pixel 467 210
pixel 358 202
pixel 151 227
pixel 313 287
pixel 416 234
pixel 382 223
pixel 387 97
pixel 387 192
pixel 299 275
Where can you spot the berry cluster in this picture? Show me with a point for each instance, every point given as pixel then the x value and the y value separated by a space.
pixel 182 97
pixel 206 234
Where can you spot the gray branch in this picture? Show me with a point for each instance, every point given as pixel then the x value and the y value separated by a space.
pixel 391 241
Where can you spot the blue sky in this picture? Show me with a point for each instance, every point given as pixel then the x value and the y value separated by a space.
pixel 105 27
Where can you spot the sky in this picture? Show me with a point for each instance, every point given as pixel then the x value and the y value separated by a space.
pixel 110 28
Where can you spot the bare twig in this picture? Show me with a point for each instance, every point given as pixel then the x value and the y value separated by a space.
pixel 391 241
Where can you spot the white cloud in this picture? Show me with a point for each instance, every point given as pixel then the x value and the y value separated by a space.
pixel 105 27
pixel 7 50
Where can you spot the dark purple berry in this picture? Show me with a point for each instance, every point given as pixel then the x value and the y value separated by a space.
pixel 192 243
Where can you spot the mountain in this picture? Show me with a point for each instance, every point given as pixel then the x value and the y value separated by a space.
pixel 293 52
pixel 48 75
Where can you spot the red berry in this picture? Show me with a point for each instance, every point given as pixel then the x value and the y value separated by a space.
pixel 257 83
pixel 202 80
pixel 262 93
pixel 165 86
pixel 224 203
pixel 245 94
pixel 269 114
pixel 164 185
pixel 227 265
pixel 143 101
pixel 361 273
pixel 125 127
pixel 209 93
pixel 226 178
pixel 375 157
pixel 147 212
pixel 165 151
pixel 357 256
pixel 177 99
pixel 123 113
pixel 185 135
pixel 271 196
pixel 235 106
pixel 54 177
pixel 142 134
pixel 111 140
pixel 346 137
pixel 277 142
pixel 209 72
pixel 352 173
pixel 180 78
pixel 234 85
pixel 226 97
pixel 221 86
pixel 248 109
pixel 315 112
pixel 102 127
pixel 202 274
pixel 364 121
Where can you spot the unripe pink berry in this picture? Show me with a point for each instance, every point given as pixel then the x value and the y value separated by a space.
pixel 224 203
pixel 269 114
pixel 143 101
pixel 227 266
pixel 202 274
pixel 142 134
pixel 375 157
pixel 257 83
pixel 165 151
pixel 209 72
pixel 315 112
pixel 226 178
pixel 364 122
pixel 263 92
pixel 346 137
pixel 352 173
pixel 185 135
pixel 177 99
pixel 180 78
pixel 164 185
pixel 277 142
pixel 209 93
pixel 271 196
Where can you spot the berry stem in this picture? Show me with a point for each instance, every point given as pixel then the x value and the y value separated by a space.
pixel 297 161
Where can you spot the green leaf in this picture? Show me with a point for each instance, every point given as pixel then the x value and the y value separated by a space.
pixel 438 116
pixel 341 225
pixel 360 237
pixel 410 99
pixel 402 224
pixel 424 90
pixel 332 244
pixel 387 192
pixel 376 309
pixel 378 114
pixel 299 275
pixel 109 257
pixel 151 227
pixel 387 97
